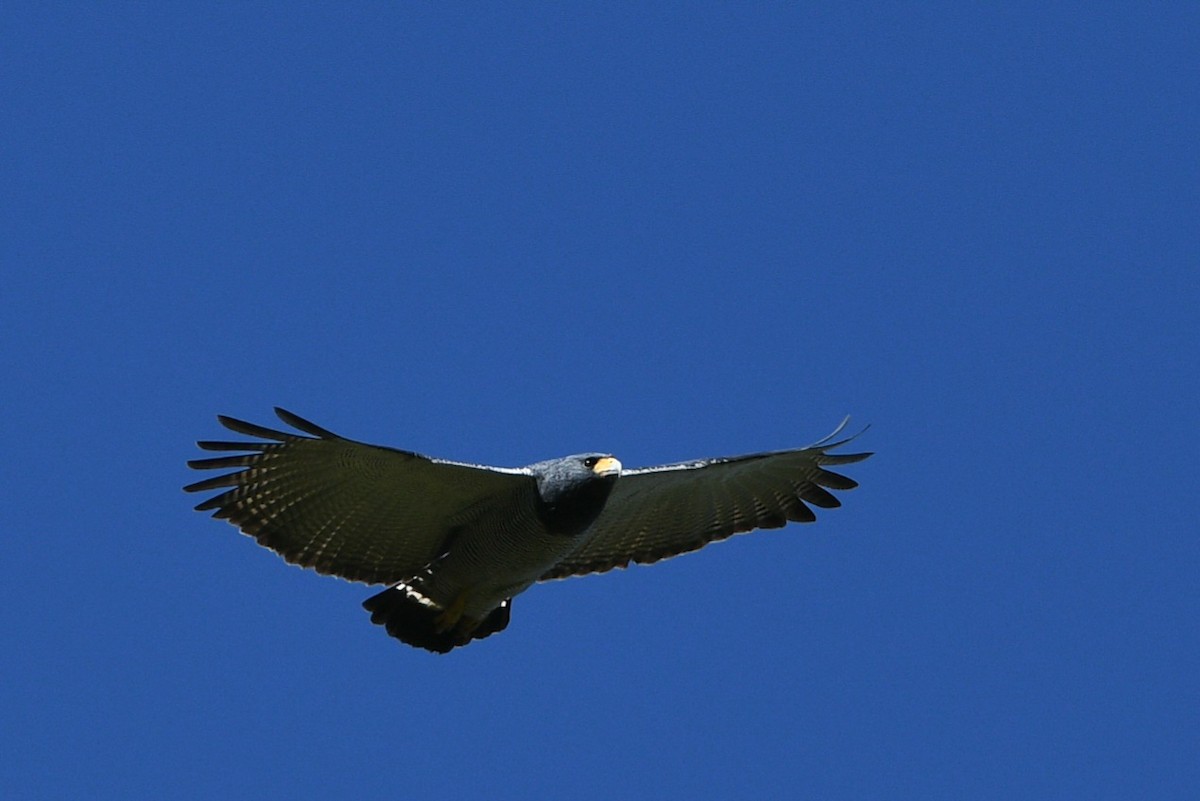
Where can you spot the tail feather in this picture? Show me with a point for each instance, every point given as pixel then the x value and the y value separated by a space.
pixel 413 618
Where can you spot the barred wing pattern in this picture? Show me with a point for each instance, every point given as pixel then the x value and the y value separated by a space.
pixel 658 512
pixel 363 512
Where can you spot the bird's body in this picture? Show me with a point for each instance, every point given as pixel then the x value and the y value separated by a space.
pixel 485 566
pixel 457 542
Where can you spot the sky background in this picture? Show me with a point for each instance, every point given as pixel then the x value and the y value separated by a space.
pixel 509 232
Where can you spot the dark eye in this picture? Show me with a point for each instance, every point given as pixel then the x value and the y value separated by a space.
pixel 590 461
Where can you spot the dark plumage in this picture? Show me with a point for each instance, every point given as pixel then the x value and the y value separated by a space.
pixel 458 541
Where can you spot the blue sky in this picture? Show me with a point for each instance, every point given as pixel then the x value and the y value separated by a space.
pixel 508 233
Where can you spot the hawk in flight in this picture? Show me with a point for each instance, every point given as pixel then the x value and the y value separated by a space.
pixel 457 542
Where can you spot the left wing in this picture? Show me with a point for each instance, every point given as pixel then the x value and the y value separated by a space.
pixel 658 512
pixel 362 512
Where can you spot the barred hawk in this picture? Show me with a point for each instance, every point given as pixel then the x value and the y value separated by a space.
pixel 457 542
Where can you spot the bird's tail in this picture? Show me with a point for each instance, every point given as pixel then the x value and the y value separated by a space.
pixel 413 618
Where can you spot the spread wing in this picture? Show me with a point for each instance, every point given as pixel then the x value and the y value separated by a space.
pixel 658 512
pixel 362 512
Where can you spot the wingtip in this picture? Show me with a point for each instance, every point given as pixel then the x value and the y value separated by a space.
pixel 300 424
pixel 828 442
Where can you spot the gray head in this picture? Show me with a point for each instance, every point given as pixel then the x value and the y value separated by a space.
pixel 573 489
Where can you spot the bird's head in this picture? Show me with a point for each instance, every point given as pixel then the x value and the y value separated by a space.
pixel 573 489
pixel 603 465
pixel 556 476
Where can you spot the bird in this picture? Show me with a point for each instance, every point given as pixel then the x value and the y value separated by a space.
pixel 455 542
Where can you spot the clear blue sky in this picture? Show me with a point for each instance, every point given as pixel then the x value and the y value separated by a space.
pixel 507 233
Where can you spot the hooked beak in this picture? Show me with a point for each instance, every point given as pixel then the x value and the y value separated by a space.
pixel 608 466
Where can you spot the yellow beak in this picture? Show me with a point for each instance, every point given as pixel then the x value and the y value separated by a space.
pixel 607 466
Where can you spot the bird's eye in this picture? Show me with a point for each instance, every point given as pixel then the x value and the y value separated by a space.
pixel 590 461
